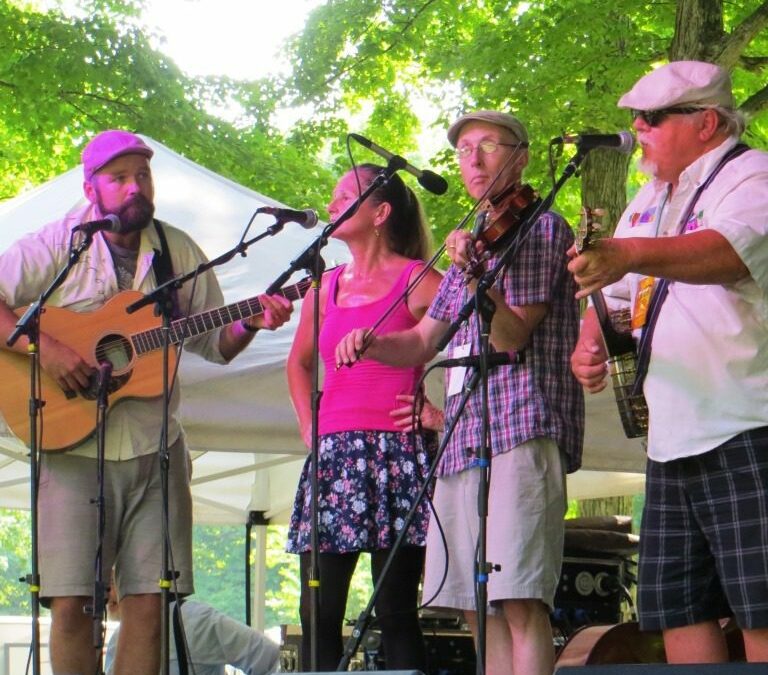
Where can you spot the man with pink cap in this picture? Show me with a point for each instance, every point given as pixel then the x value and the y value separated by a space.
pixel 690 260
pixel 118 183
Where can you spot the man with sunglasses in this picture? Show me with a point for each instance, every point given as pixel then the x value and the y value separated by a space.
pixel 535 416
pixel 690 259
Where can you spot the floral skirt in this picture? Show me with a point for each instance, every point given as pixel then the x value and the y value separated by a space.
pixel 367 484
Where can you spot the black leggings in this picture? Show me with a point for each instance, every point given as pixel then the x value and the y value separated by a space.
pixel 396 605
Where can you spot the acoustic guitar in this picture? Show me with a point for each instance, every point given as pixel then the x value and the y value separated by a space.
pixel 132 343
pixel 599 644
pixel 619 343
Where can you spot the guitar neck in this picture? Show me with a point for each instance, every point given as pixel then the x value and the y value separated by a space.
pixel 204 322
pixel 617 343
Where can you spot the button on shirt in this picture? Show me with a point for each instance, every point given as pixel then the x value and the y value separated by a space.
pixel 28 267
pixel 538 398
pixel 707 378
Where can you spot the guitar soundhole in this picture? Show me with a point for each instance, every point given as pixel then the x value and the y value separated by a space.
pixel 118 351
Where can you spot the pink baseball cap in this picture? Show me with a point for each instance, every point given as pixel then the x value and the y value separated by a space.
pixel 108 145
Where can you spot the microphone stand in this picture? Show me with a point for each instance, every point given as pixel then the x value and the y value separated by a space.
pixel 311 261
pixel 363 621
pixel 97 606
pixel 29 325
pixel 162 296
pixel 479 303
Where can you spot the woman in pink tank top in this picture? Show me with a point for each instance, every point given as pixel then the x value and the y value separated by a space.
pixel 369 469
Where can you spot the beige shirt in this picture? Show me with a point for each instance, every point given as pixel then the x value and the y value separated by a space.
pixel 29 266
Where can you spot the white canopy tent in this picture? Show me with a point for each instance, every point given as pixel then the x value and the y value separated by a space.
pixel 241 430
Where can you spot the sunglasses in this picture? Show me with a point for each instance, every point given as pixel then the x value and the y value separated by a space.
pixel 655 117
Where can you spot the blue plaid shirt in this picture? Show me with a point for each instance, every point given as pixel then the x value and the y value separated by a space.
pixel 540 397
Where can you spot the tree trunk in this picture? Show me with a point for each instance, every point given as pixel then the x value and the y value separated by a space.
pixel 606 506
pixel 698 31
pixel 604 185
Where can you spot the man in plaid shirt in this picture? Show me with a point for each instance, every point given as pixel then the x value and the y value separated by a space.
pixel 536 408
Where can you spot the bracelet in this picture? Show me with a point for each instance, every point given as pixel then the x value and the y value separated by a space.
pixel 248 327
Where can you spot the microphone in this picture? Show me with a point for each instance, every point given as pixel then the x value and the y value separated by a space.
pixel 429 180
pixel 494 359
pixel 104 379
pixel 307 218
pixel 623 142
pixel 110 223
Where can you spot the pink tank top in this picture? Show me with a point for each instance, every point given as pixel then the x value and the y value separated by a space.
pixel 360 398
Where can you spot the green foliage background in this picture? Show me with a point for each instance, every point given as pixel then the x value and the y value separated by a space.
pixel 219 559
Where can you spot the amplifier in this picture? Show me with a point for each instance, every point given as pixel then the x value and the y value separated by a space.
pixel 590 591
pixel 450 653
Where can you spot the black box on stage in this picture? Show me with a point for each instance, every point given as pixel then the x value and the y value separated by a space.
pixel 450 653
pixel 666 669
pixel 589 591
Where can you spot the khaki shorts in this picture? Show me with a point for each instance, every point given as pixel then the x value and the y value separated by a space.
pixel 526 507
pixel 132 533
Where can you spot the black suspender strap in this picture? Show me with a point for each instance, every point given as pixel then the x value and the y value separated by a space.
pixel 661 289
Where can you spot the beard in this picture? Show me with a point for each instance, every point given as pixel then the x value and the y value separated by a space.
pixel 645 165
pixel 648 168
pixel 134 214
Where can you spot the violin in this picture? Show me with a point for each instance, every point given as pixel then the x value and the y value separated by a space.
pixel 498 217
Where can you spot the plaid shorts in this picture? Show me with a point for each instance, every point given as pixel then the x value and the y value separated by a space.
pixel 704 537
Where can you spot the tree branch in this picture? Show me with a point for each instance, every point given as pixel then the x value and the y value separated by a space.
pixel 351 64
pixel 754 64
pixel 756 103
pixel 68 94
pixel 742 35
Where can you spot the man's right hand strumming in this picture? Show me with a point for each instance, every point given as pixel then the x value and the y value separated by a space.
pixel 588 364
pixel 64 365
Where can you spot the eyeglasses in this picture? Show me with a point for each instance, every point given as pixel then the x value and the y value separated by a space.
pixel 655 117
pixel 486 147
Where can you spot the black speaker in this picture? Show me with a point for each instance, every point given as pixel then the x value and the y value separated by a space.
pixel 450 653
pixel 589 591
pixel 665 669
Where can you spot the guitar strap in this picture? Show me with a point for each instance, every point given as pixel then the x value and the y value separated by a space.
pixel 163 267
pixel 178 638
pixel 661 290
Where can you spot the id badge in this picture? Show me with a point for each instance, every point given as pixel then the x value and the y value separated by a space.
pixel 456 376
pixel 643 297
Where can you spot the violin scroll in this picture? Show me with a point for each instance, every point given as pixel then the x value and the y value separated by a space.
pixel 498 218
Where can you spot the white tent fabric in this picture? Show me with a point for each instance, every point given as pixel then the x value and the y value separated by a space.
pixel 239 421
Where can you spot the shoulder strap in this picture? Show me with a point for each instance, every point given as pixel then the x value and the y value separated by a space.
pixel 163 267
pixel 661 289
pixel 733 153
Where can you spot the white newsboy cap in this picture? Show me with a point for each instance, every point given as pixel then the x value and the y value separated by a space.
pixel 680 83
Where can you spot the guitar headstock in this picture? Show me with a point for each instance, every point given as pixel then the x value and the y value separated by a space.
pixel 589 224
